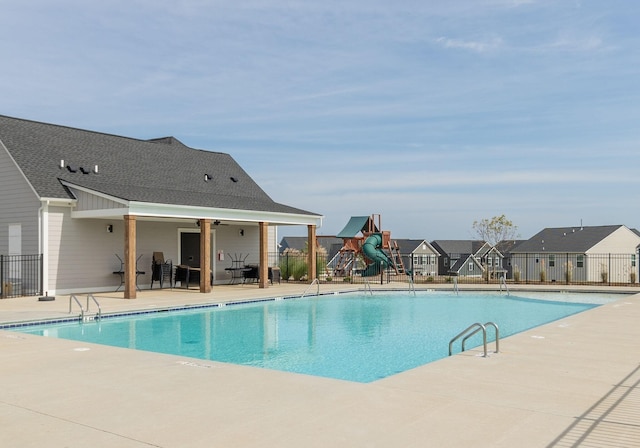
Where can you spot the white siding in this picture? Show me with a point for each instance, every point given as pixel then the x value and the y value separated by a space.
pixel 81 253
pixel 622 241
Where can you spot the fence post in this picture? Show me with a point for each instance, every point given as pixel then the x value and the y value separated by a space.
pixel 2 276
pixel 287 266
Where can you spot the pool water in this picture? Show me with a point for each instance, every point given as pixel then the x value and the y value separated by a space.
pixel 351 337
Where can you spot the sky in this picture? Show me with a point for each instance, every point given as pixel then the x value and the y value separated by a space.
pixel 431 114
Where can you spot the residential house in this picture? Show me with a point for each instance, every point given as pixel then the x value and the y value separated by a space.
pixel 418 256
pixel 471 258
pixel 505 248
pixel 467 266
pixel 81 198
pixel 579 254
pixel 330 244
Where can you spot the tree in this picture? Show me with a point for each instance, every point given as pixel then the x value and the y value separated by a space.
pixel 496 229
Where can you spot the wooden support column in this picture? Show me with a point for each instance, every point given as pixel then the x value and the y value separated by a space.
pixel 130 257
pixel 205 255
pixel 263 281
pixel 311 248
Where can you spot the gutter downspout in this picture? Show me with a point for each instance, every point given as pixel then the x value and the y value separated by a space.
pixel 43 243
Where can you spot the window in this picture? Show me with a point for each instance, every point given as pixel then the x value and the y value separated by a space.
pixel 498 263
pixel 446 261
pixel 489 261
pixel 470 266
pixel 633 260
pixel 552 261
pixel 580 261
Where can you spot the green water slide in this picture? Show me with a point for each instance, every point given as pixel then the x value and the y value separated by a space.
pixel 372 248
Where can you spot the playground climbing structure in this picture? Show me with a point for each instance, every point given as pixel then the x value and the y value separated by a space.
pixel 366 249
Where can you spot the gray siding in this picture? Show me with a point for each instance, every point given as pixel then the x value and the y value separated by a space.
pixel 88 201
pixel 19 205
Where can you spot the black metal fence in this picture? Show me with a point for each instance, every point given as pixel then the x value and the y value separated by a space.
pixel 20 275
pixel 524 268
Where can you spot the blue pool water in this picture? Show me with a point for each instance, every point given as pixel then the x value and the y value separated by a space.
pixel 351 337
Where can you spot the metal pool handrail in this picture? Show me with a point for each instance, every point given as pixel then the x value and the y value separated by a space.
pixel 487 324
pixel 367 286
pixel 73 298
pixel 412 286
pixel 90 296
pixel 315 280
pixel 503 281
pixel 477 327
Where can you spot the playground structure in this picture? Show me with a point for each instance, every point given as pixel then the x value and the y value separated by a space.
pixel 367 250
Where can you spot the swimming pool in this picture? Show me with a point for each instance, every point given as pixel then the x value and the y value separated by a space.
pixel 353 337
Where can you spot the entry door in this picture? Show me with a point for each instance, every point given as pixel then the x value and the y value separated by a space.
pixel 190 249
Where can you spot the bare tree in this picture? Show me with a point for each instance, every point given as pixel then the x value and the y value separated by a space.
pixel 496 229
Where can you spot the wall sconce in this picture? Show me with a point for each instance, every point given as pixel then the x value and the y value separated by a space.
pixel 109 228
pixel 241 232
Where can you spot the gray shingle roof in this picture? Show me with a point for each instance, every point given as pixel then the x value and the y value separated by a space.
pixel 161 170
pixel 457 247
pixel 407 246
pixel 566 239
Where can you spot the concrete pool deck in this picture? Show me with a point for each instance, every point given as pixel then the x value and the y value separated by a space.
pixel 573 382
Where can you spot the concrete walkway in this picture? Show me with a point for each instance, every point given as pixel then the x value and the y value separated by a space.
pixel 574 382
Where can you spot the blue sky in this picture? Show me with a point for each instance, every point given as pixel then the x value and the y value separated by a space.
pixel 433 114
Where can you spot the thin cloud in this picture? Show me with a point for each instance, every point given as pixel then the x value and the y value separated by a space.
pixel 475 46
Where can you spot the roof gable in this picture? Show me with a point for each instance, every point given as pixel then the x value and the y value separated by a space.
pixel 566 239
pixel 408 246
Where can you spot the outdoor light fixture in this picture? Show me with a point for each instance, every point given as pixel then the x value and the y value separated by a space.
pixel 241 232
pixel 109 228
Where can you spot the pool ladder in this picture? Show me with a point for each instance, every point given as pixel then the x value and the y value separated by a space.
pixel 467 333
pixel 84 317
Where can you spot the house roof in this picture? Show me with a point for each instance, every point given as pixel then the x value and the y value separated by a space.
pixel 507 246
pixel 566 239
pixel 408 246
pixel 162 171
pixel 330 243
pixel 457 247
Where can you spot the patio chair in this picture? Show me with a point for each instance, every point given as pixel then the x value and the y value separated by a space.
pixel 161 270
